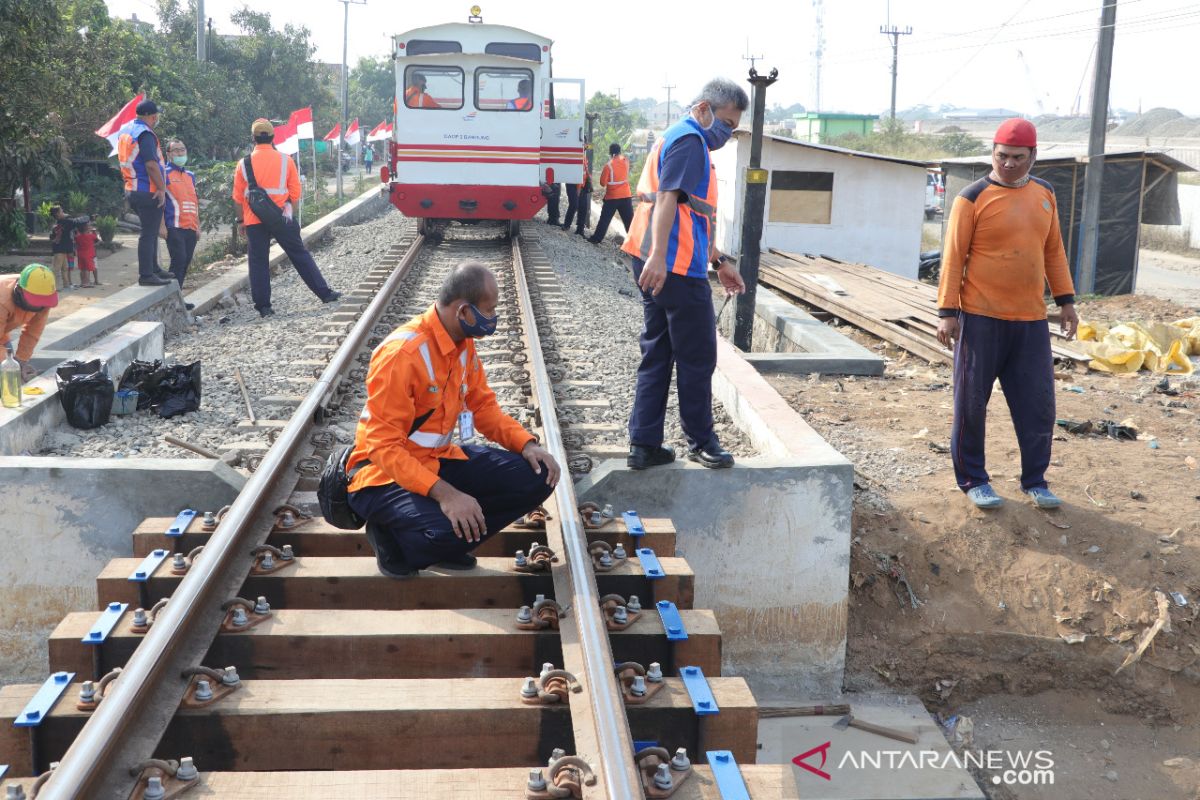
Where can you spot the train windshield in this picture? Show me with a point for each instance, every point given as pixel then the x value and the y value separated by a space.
pixel 433 87
pixel 426 47
pixel 503 89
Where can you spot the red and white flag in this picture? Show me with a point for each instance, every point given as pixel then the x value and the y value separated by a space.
pixel 333 135
pixel 353 135
pixel 287 140
pixel 379 133
pixel 112 129
pixel 302 119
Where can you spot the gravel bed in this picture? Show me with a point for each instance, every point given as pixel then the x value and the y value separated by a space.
pixel 232 335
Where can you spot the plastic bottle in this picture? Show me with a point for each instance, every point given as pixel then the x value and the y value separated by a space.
pixel 10 380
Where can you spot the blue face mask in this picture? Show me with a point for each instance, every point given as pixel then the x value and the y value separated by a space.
pixel 716 133
pixel 483 325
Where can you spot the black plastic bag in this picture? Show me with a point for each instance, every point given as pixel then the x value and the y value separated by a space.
pixel 143 377
pixel 86 393
pixel 177 390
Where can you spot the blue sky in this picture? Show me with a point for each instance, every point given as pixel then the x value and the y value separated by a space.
pixel 965 53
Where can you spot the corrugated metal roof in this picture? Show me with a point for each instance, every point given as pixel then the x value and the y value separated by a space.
pixel 1080 156
pixel 828 148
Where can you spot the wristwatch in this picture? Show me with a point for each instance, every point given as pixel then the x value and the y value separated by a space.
pixel 721 261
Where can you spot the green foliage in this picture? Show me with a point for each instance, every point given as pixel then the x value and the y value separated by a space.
pixel 77 203
pixel 106 226
pixel 214 190
pixel 371 89
pixel 12 228
pixel 43 215
pixel 895 139
pixel 616 123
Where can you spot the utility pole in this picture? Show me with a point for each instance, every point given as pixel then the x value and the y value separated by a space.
pixel 753 206
pixel 669 88
pixel 345 91
pixel 1093 178
pixel 752 59
pixel 895 33
pixel 201 43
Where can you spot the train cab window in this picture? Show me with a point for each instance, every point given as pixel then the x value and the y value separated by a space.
pixel 503 89
pixel 426 47
pixel 433 87
pixel 525 50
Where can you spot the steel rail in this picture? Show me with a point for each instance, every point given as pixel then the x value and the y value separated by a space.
pixel 617 771
pixel 96 764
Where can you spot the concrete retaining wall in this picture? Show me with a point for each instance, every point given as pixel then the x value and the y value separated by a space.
pixel 769 540
pixel 21 429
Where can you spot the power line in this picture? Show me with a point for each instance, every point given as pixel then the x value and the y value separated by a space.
pixel 895 33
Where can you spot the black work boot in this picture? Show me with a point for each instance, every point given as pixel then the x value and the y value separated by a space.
pixel 388 557
pixel 642 457
pixel 711 455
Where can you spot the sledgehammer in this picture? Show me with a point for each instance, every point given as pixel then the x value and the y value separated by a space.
pixel 879 730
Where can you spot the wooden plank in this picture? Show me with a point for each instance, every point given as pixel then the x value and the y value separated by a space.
pixel 319 538
pixel 355 583
pixel 405 724
pixel 763 781
pixel 480 643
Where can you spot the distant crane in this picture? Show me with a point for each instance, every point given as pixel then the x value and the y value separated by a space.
pixel 1037 97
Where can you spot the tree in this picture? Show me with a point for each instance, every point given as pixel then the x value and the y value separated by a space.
pixel 371 89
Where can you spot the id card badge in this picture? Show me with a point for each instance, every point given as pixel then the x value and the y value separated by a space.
pixel 466 425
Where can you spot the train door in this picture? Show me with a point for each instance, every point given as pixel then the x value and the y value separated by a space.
pixel 563 131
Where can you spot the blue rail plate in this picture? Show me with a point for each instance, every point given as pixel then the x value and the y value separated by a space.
pixel 181 522
pixel 148 565
pixel 672 622
pixel 40 704
pixel 3 771
pixel 650 566
pixel 633 524
pixel 727 775
pixel 105 623
pixel 698 689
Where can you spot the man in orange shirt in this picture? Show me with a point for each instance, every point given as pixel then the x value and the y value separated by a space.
pixel 618 197
pixel 276 174
pixel 25 303
pixel 415 95
pixel 1003 245
pixel 427 500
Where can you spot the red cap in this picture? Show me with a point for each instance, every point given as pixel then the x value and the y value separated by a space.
pixel 1016 132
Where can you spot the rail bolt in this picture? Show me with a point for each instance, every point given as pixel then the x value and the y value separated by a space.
pixel 530 688
pixel 525 614
pixel 638 689
pixel 287 554
pixel 268 561
pixel 187 769
pixel 239 618
pixel 596 519
pixel 178 562
pixel 546 667
pixel 538 598
pixel 662 777
pixel 654 674
pixel 231 677
pixel 620 615
pixel 87 692
pixel 619 551
pixel 606 560
pixel 520 559
pixel 140 620
pixel 15 792
pixel 203 691
pixel 261 606
pixel 680 761
pixel 634 604
pixel 537 782
pixel 555 755
pixel 154 789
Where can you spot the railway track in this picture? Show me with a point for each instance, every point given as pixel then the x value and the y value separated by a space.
pixel 535 675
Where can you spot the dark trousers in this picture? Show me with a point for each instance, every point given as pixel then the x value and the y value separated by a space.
pixel 552 196
pixel 150 215
pixel 575 202
pixel 258 242
pixel 624 207
pixel 503 483
pixel 1018 353
pixel 679 329
pixel 181 244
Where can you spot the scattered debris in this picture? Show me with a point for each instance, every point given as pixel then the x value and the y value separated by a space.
pixel 1121 431
pixel 1088 494
pixel 1135 495
pixel 1162 623
pixel 1073 638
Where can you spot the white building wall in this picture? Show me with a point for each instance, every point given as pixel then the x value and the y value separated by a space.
pixel 876 217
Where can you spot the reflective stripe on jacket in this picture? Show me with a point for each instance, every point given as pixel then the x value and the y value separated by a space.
pixel 274 173
pixel 688 245
pixel 182 209
pixel 416 370
pixel 133 168
pixel 615 179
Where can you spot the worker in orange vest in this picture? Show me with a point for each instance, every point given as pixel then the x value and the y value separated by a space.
pixel 577 198
pixel 415 95
pixel 275 173
pixel 618 197
pixel 145 187
pixel 181 214
pixel 523 101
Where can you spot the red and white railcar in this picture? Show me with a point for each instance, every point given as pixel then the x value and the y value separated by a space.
pixel 480 124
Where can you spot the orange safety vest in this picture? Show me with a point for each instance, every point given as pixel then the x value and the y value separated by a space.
pixel 182 209
pixel 133 169
pixel 521 103
pixel 615 179
pixel 415 98
pixel 273 172
pixel 688 245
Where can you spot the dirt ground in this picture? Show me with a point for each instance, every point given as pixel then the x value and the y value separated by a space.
pixel 1020 618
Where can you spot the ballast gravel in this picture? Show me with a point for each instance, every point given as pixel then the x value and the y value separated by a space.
pixel 602 316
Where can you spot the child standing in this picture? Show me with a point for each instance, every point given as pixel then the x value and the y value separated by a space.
pixel 62 243
pixel 85 253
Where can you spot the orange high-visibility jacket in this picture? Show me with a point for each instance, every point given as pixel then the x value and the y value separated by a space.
pixel 417 369
pixel 415 98
pixel 275 174
pixel 133 169
pixel 182 209
pixel 12 316
pixel 615 178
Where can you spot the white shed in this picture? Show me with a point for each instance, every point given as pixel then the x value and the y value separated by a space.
pixel 826 200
